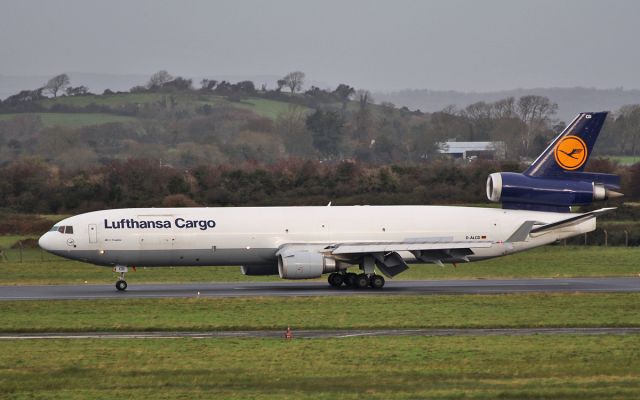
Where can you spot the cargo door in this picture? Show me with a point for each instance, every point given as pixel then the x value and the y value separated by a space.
pixel 93 233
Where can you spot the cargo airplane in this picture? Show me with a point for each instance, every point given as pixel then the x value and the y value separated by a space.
pixel 307 242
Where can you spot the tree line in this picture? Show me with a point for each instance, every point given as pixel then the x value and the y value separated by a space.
pixel 34 186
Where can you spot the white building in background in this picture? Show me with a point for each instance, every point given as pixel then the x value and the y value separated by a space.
pixel 467 150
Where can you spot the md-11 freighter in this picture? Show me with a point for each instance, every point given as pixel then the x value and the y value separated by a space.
pixel 307 242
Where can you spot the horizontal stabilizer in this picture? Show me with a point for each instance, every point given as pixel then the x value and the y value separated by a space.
pixel 571 221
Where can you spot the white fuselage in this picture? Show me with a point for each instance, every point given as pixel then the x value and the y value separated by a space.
pixel 253 235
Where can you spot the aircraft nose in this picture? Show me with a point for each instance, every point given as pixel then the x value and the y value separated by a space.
pixel 45 241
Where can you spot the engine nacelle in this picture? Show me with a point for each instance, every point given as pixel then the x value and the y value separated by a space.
pixel 304 265
pixel 518 189
pixel 259 269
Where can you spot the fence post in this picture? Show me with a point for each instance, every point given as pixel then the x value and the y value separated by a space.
pixel 585 239
pixel 606 238
pixel 20 250
pixel 626 238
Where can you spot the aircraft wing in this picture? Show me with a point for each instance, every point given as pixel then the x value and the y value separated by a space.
pixel 391 263
pixel 385 247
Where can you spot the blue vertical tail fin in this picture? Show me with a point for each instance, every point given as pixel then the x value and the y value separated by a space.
pixel 570 151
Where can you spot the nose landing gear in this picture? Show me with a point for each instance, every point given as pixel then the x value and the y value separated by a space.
pixel 121 284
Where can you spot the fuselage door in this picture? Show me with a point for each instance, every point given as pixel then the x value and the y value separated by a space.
pixel 93 233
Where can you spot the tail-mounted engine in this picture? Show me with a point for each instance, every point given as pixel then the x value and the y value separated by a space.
pixel 519 191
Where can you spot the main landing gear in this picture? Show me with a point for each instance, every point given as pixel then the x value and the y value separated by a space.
pixel 121 284
pixel 358 281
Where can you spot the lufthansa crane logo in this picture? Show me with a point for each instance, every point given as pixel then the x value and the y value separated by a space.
pixel 571 153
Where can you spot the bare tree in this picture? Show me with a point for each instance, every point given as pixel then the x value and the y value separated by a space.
pixel 505 108
pixel 363 120
pixel 290 124
pixel 536 112
pixel 159 78
pixel 628 126
pixel 57 84
pixel 294 81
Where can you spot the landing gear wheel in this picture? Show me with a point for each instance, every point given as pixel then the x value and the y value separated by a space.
pixel 361 281
pixel 121 285
pixel 349 279
pixel 335 279
pixel 376 282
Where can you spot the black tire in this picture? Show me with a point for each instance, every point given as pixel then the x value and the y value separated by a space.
pixel 335 280
pixel 121 285
pixel 349 279
pixel 361 281
pixel 376 282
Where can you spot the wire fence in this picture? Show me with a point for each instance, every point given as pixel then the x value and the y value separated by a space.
pixel 606 237
pixel 23 254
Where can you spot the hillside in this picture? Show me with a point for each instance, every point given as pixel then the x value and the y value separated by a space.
pixel 231 144
pixel 231 123
pixel 184 127
pixel 570 101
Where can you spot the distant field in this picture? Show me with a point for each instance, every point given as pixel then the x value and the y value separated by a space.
pixel 624 160
pixel 550 367
pixel 105 100
pixel 73 120
pixel 264 107
pixel 39 267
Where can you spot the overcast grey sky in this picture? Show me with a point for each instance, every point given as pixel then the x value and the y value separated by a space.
pixel 380 45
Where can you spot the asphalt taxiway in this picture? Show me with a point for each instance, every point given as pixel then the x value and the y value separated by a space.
pixel 269 289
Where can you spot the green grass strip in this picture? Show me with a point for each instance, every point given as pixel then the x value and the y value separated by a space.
pixel 437 311
pixel 547 262
pixel 558 367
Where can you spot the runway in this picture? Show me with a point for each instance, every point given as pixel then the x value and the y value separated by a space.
pixel 319 334
pixel 269 289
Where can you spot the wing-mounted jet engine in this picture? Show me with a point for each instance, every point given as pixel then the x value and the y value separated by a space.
pixel 556 181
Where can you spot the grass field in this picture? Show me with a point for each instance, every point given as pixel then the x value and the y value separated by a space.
pixel 557 367
pixel 73 120
pixel 114 100
pixel 39 267
pixel 624 160
pixel 265 107
pixel 257 313
pixel 474 367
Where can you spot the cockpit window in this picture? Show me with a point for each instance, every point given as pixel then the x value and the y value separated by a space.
pixel 67 229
